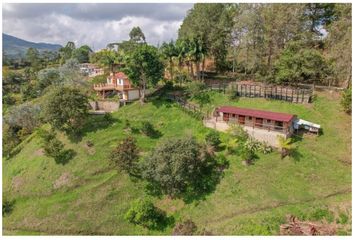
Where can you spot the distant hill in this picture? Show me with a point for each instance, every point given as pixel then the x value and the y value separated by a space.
pixel 13 46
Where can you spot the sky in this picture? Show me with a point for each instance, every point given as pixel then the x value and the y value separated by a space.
pixel 94 24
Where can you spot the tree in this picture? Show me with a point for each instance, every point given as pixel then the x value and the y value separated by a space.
pixel 47 77
pixel 143 212
pixel 66 52
pixel 298 64
pixel 346 100
pixel 144 68
pixel 33 57
pixel 126 155
pixel 177 166
pixel 169 52
pixel 70 73
pixel 65 109
pixel 285 145
pixel 213 139
pixel 137 35
pixel 24 117
pixel 82 54
pixel 339 42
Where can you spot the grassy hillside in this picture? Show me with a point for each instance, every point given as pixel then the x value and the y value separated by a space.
pixel 88 196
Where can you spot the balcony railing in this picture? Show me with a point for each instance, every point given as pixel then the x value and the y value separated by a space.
pixel 107 86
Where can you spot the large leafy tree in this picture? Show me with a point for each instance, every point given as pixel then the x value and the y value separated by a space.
pixel 126 155
pixel 297 64
pixel 144 68
pixel 47 77
pixel 65 108
pixel 82 54
pixel 339 42
pixel 66 52
pixel 177 165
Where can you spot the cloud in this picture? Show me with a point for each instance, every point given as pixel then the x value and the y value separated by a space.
pixel 92 24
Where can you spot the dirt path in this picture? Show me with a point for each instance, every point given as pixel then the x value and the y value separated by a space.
pixel 277 205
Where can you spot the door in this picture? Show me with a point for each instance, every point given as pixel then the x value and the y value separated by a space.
pixel 225 117
pixel 259 122
pixel 241 119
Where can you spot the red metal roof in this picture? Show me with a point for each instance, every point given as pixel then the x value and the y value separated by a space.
pixel 120 75
pixel 276 116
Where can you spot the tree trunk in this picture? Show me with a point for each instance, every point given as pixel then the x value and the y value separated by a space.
pixel 142 97
pixel 171 69
pixel 192 71
pixel 203 68
pixel 197 65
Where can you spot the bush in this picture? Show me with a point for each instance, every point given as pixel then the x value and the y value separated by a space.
pixel 213 139
pixel 322 213
pixel 144 213
pixel 343 218
pixel 126 155
pixel 178 165
pixel 231 91
pixel 248 154
pixel 7 206
pixel 195 88
pixel 346 100
pixel 25 116
pixel 66 109
pixel 187 228
pixel 54 148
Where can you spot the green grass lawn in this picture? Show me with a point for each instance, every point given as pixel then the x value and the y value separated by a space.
pixel 88 196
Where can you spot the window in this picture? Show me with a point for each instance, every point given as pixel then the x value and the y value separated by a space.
pixel 120 81
pixel 259 122
pixel 249 118
pixel 109 80
pixel 278 125
pixel 241 119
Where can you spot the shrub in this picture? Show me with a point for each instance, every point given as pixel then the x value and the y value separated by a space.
pixel 343 218
pixel 7 206
pixel 248 154
pixel 346 100
pixel 195 88
pixel 322 213
pixel 238 132
pixel 25 116
pixel 144 213
pixel 66 109
pixel 55 148
pixel 108 117
pixel 125 156
pixel 187 228
pixel 231 91
pixel 178 165
pixel 213 139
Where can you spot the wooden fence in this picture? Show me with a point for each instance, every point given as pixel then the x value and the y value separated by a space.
pixel 291 94
pixel 194 109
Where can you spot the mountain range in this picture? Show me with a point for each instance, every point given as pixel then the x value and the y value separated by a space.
pixel 14 47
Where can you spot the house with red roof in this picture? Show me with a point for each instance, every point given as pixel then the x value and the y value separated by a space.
pixel 118 83
pixel 262 125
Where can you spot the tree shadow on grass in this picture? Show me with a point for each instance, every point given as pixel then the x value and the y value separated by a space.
pixel 65 156
pixel 164 222
pixel 296 155
pixel 93 123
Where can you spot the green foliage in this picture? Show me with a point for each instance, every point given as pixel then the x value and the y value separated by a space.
pixel 195 88
pixel 176 165
pixel 126 156
pixel 54 148
pixel 47 77
pixel 238 132
pixel 319 214
pixel 286 146
pixel 343 218
pixel 185 228
pixel 213 139
pixel 65 109
pixel 10 139
pixel 7 206
pixel 137 35
pixel 143 212
pixel 144 67
pixel 346 100
pixel 25 116
pixel 70 73
pixel 248 154
pixel 297 64
pixel 82 54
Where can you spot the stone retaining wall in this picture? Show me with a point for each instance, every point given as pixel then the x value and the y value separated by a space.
pixel 107 106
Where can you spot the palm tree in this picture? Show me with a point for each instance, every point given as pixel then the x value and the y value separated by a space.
pixel 169 52
pixel 195 54
pixel 286 146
